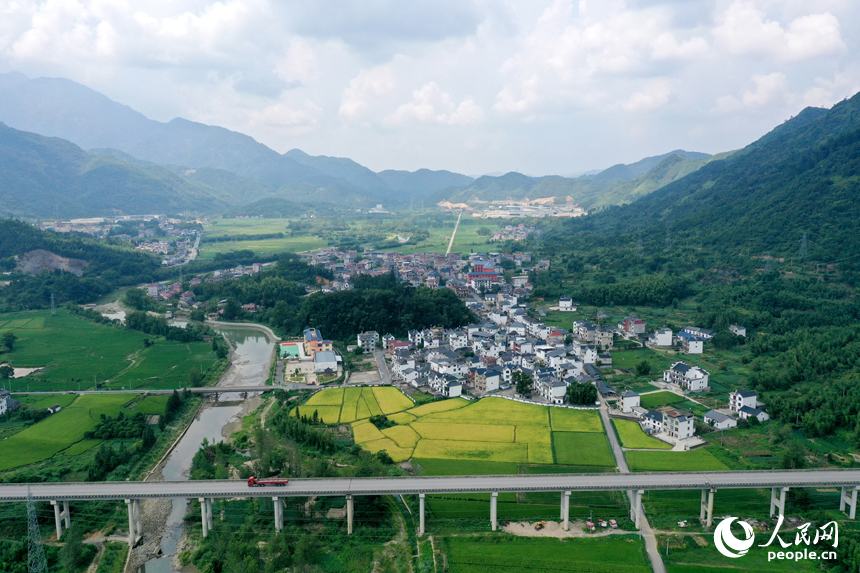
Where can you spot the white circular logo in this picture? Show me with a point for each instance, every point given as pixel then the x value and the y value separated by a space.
pixel 727 543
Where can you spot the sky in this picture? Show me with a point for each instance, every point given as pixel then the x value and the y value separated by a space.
pixel 472 86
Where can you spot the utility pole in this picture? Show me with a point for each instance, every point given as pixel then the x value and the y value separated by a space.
pixel 53 305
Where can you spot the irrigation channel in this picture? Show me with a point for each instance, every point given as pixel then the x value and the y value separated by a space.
pixel 252 353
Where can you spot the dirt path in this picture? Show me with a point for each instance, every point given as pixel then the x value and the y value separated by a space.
pixel 454 234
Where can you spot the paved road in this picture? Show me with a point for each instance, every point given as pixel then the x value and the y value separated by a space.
pixel 384 374
pixel 454 234
pixel 648 536
pixel 443 484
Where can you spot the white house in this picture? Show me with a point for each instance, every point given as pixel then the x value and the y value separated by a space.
pixel 679 424
pixel 719 420
pixel 565 304
pixel 690 343
pixel 746 413
pixel 738 330
pixel 662 337
pixel 697 332
pixel 740 398
pixel 653 421
pixel 689 378
pixel 325 360
pixel 587 353
pixel 629 400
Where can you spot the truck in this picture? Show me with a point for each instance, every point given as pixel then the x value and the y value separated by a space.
pixel 262 482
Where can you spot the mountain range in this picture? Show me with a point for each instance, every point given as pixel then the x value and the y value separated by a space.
pixel 126 162
pixel 798 183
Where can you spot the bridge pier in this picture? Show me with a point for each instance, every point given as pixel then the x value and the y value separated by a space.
pixel 61 517
pixel 565 510
pixel 135 521
pixel 494 510
pixel 279 513
pixel 849 497
pixel 349 512
pixel 206 514
pixel 420 514
pixel 707 508
pixel 777 503
pixel 636 506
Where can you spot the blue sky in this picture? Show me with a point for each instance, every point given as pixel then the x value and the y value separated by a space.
pixel 479 86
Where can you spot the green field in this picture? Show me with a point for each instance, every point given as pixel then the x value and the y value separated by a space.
pixel 570 420
pixel 687 556
pixel 657 399
pixel 693 460
pixel 152 405
pixel 614 554
pixel 631 435
pixel 59 431
pixel 582 448
pixel 75 353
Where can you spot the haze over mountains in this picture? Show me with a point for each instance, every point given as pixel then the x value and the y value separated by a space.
pixel 140 165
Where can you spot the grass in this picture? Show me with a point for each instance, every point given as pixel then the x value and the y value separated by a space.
pixel 44 402
pixel 366 432
pixel 569 420
pixel 614 554
pixel 693 460
pixel 402 418
pixel 391 400
pixel 443 467
pixel 354 404
pixel 657 399
pixel 539 441
pixel 687 556
pixel 631 435
pixel 152 405
pixel 59 431
pixel 74 353
pixel 582 448
pixel 81 447
pixel 397 453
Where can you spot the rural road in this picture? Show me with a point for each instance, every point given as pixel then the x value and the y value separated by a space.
pixel 454 234
pixel 647 533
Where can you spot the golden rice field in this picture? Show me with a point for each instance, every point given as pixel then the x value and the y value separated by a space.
pixel 491 429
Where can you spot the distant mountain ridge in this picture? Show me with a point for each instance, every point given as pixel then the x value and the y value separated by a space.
pixel 801 178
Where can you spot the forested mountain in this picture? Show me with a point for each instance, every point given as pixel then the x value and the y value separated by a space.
pixel 634 170
pixel 249 171
pixel 800 178
pixel 423 182
pixel 617 185
pixel 104 266
pixel 44 176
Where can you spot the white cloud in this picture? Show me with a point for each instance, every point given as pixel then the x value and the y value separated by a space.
pixel 768 88
pixel 283 115
pixel 366 85
pixel 654 96
pixel 744 29
pixel 300 63
pixel 431 105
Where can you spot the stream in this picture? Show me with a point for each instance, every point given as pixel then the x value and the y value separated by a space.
pixel 252 352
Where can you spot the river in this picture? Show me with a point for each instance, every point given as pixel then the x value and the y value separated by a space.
pixel 251 358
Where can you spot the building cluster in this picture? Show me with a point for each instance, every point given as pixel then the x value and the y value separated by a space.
pixel 166 291
pixel 674 424
pixel 743 405
pixel 514 233
pixel 483 357
pixel 311 348
pixel 461 274
pixel 690 339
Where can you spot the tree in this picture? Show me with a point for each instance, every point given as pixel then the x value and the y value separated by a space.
pixel 643 368
pixel 522 381
pixel 73 548
pixel 6 372
pixel 582 394
pixel 8 340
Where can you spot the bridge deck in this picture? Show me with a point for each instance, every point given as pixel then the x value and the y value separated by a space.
pixel 447 484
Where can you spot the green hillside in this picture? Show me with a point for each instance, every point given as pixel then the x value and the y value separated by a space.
pixel 42 176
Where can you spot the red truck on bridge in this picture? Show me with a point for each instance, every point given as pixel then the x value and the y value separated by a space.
pixel 258 482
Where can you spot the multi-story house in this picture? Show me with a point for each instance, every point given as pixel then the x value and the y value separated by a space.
pixel 689 378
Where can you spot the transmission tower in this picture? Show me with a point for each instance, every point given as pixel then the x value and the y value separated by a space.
pixel 36 561
pixel 53 305
pixel 803 247
pixel 668 246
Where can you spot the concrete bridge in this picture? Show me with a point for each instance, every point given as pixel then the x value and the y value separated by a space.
pixel 779 482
